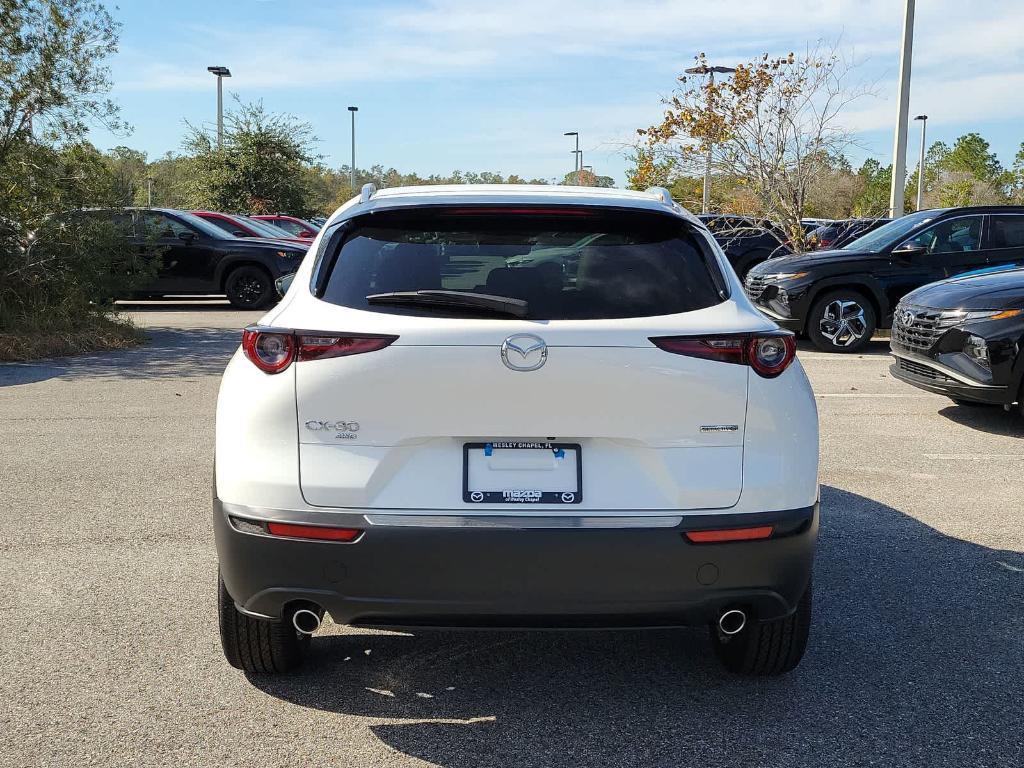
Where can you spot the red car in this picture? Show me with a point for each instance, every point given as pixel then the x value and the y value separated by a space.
pixel 296 226
pixel 244 226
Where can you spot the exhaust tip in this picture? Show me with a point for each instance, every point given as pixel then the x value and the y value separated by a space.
pixel 306 621
pixel 732 622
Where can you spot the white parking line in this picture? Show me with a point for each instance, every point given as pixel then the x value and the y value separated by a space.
pixel 877 395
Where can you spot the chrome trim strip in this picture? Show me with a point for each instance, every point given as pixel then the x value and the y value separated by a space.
pixel 522 522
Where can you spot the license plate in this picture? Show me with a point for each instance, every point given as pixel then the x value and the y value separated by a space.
pixel 515 472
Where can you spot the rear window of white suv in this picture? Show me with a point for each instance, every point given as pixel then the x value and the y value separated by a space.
pixel 547 263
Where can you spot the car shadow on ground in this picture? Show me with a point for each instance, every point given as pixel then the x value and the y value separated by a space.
pixel 992 419
pixel 169 352
pixel 916 659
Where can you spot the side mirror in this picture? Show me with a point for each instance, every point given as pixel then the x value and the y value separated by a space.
pixel 306 235
pixel 908 250
pixel 282 284
pixel 187 237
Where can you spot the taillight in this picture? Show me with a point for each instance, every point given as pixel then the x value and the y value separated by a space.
pixel 318 347
pixel 273 350
pixel 270 352
pixel 768 354
pixel 771 355
pixel 822 244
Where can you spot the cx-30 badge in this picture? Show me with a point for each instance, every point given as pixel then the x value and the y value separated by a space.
pixel 524 352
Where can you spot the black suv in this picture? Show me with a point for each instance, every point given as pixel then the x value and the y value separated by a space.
pixel 840 297
pixel 199 258
pixel 964 338
pixel 745 240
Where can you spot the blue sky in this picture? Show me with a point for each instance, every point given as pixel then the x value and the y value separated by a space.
pixel 478 85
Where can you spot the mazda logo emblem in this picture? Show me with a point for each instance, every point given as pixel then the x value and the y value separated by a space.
pixel 524 352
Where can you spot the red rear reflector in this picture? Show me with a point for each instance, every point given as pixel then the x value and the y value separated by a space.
pixel 324 533
pixel 729 534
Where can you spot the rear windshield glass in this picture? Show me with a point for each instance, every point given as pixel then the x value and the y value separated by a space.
pixel 569 264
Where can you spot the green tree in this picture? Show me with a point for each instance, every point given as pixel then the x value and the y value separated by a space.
pixel 57 271
pixel 873 200
pixel 260 167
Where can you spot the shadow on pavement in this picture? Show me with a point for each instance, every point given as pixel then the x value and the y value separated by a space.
pixel 874 348
pixel 170 352
pixel 991 419
pixel 916 658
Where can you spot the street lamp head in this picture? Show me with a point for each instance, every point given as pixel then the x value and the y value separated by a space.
pixel 353 109
pixel 571 133
pixel 703 69
pixel 921 117
pixel 219 71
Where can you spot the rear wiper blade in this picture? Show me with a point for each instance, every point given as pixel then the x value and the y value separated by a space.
pixel 501 305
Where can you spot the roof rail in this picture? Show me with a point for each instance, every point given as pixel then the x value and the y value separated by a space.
pixel 662 193
pixel 368 191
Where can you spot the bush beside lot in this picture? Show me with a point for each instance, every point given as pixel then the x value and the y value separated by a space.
pixel 92 334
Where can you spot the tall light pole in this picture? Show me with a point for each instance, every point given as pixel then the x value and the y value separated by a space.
pixel 899 145
pixel 221 73
pixel 149 191
pixel 579 155
pixel 352 168
pixel 920 164
pixel 704 69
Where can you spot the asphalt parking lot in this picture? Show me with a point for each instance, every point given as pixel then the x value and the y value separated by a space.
pixel 109 652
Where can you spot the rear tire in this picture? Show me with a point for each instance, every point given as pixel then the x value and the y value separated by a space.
pixel 256 646
pixel 767 648
pixel 249 287
pixel 841 321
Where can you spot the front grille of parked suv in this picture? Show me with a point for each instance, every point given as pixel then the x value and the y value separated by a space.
pixel 755 286
pixel 918 328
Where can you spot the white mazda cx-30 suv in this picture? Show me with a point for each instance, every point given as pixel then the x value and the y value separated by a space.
pixel 505 406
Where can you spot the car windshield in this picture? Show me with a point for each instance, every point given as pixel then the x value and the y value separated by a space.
pixel 197 222
pixel 893 233
pixel 265 228
pixel 569 264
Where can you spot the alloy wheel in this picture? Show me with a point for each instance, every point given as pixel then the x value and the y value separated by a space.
pixel 843 322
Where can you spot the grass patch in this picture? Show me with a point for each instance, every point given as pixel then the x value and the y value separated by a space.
pixel 88 333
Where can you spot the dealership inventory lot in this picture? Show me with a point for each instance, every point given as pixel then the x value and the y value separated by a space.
pixel 109 653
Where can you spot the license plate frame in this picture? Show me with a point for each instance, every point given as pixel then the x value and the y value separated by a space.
pixel 522 496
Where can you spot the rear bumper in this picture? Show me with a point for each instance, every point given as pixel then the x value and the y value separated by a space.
pixel 418 571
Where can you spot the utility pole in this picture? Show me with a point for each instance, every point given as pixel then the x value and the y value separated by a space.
pixel 579 156
pixel 149 191
pixel 899 146
pixel 352 168
pixel 221 73
pixel 704 69
pixel 920 164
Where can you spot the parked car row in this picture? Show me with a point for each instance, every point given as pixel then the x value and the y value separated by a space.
pixel 949 284
pixel 207 252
